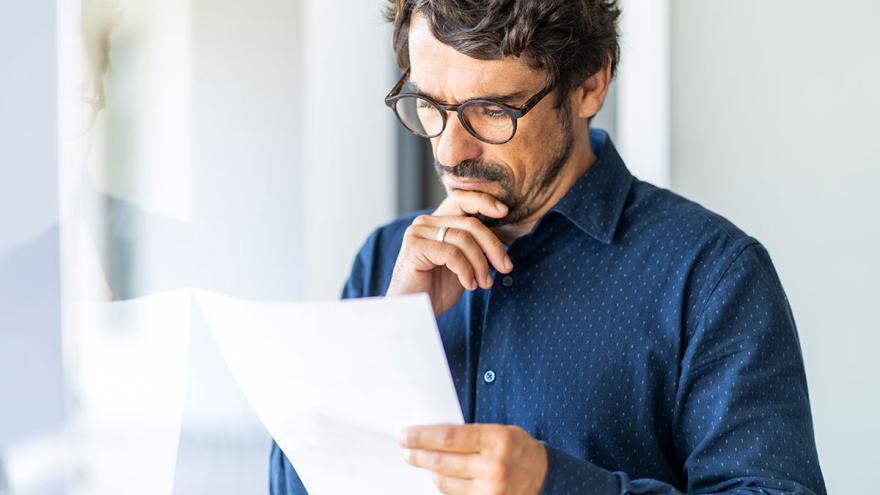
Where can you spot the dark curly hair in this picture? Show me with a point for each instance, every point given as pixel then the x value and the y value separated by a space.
pixel 570 40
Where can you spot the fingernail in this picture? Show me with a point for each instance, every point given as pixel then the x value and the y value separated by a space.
pixel 407 455
pixel 401 438
pixel 500 206
pixel 488 280
pixel 508 263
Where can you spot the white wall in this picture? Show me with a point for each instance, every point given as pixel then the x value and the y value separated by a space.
pixel 775 111
pixel 642 91
pixel 348 136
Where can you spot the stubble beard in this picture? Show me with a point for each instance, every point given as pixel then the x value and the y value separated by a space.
pixel 524 204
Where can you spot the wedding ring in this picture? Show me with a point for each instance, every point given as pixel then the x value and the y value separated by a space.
pixel 441 234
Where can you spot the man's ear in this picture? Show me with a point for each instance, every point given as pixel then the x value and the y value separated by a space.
pixel 590 95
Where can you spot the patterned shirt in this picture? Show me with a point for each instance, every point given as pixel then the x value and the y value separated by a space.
pixel 646 341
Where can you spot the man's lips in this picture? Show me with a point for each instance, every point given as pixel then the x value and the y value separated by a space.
pixel 465 184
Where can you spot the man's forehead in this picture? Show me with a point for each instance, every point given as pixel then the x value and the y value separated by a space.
pixel 441 71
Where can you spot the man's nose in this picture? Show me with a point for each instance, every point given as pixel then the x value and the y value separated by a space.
pixel 456 144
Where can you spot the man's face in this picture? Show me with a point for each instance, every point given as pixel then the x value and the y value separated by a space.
pixel 519 172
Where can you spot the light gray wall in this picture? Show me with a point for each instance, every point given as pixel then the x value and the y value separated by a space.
pixel 775 111
pixel 27 120
pixel 31 380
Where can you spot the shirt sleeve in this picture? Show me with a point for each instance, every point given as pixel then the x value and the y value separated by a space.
pixel 742 422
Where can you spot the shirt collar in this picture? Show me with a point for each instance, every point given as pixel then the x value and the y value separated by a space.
pixel 595 202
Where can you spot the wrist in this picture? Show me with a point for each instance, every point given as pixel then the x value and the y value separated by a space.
pixel 543 466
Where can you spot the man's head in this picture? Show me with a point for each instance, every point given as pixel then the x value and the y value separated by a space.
pixel 99 17
pixel 507 51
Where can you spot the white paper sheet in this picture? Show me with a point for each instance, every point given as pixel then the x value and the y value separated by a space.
pixel 334 382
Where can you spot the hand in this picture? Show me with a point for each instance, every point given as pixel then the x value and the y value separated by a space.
pixel 478 458
pixel 445 269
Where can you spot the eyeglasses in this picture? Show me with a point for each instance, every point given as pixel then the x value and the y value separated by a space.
pixel 486 120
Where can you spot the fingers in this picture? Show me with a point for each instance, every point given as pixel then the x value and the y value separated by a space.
pixel 489 245
pixel 467 250
pixel 448 485
pixel 477 458
pixel 467 466
pixel 461 203
pixel 463 439
pixel 467 245
pixel 429 254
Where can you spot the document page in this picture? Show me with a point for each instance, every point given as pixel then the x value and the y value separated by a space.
pixel 334 382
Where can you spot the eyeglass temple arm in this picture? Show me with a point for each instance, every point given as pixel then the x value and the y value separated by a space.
pixel 399 85
pixel 534 100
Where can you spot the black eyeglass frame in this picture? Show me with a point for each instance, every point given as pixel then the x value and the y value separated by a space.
pixel 515 113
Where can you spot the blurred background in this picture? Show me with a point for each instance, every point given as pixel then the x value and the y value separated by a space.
pixel 244 147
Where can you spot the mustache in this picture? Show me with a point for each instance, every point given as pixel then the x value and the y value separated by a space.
pixel 473 169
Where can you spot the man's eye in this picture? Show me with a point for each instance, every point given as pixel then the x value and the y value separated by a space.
pixel 493 112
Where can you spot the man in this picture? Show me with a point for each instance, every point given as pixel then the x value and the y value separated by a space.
pixel 604 336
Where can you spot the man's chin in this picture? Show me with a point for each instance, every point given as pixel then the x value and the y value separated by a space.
pixel 484 188
pixel 491 222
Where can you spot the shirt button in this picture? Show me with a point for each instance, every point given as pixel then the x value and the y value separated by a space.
pixel 507 281
pixel 489 376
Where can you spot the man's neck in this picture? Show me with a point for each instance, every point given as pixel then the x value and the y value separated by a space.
pixel 577 165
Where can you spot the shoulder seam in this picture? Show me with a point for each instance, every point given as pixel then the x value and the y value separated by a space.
pixel 749 242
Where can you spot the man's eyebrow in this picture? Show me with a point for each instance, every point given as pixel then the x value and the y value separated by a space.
pixel 506 98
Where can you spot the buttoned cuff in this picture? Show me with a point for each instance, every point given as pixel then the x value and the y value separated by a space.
pixel 567 474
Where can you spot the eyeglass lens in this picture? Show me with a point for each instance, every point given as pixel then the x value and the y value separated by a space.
pixel 487 120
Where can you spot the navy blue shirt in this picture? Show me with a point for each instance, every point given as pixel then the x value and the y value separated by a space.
pixel 644 339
